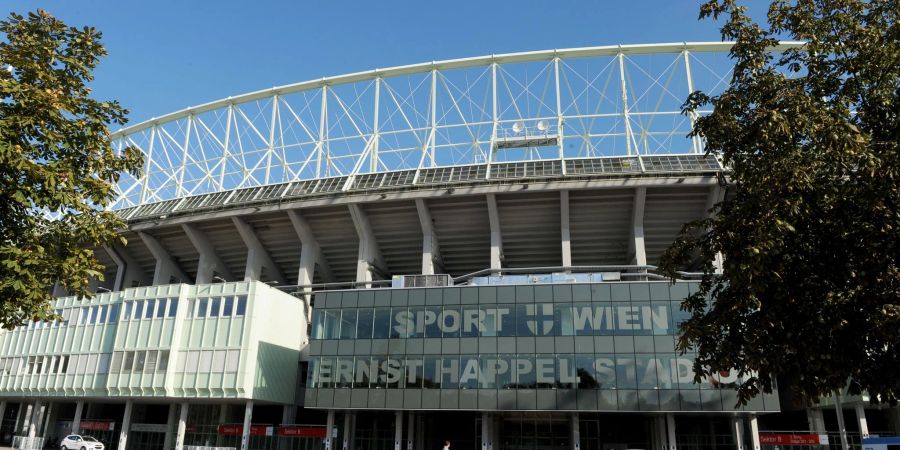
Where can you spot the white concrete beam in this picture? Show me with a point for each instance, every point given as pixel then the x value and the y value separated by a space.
pixel 637 252
pixel 565 231
pixel 257 256
pixel 128 272
pixel 210 264
pixel 431 249
pixel 369 259
pixel 166 267
pixel 310 251
pixel 496 235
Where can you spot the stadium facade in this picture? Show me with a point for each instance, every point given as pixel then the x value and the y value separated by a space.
pixel 457 250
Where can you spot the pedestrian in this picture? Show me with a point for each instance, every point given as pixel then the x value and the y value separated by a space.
pixel 446 445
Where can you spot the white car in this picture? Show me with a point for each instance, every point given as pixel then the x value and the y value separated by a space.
pixel 77 442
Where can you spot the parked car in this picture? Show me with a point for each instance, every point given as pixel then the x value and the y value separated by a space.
pixel 78 442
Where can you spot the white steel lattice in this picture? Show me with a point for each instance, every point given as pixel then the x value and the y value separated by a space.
pixel 550 105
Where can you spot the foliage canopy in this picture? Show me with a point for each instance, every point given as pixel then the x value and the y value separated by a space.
pixel 810 289
pixel 57 166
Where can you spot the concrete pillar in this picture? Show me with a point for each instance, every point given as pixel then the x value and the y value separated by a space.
pixel 754 432
pixel 76 420
pixel 126 424
pixel 223 416
pixel 398 430
pixel 485 430
pixel 33 423
pixel 861 418
pixel 817 420
pixel 496 234
pixel 49 419
pixel 2 410
pixel 329 425
pixel 575 425
pixel 842 428
pixel 248 421
pixel 661 433
pixel 182 426
pixel 670 425
pixel 170 426
pixel 420 432
pixel 565 234
pixel 737 430
pixel 353 430
pixel 410 429
pixel 345 445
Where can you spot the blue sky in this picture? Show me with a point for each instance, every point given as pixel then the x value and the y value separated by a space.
pixel 166 55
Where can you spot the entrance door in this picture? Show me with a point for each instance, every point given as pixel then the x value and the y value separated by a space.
pixel 534 434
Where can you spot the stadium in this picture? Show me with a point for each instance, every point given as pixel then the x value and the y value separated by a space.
pixel 456 250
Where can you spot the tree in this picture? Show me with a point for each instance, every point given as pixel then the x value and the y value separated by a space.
pixel 57 166
pixel 809 228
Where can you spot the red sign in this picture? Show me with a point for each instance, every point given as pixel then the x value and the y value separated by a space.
pixel 238 430
pixel 97 425
pixel 302 431
pixel 789 439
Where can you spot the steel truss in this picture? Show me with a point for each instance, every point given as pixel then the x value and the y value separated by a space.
pixel 554 105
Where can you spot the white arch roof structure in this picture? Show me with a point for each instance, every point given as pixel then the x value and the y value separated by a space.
pixel 612 109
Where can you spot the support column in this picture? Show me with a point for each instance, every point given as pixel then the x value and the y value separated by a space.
pixel 816 420
pixel 248 420
pixel 209 263
pixel 345 445
pixel 223 416
pixel 170 426
pixel 410 429
pixel 565 234
pixel 353 430
pixel 3 411
pixel 182 425
pixel 737 430
pixel 23 418
pixel 50 414
pixel 661 433
pixel 575 425
pixel 398 429
pixel 126 424
pixel 485 430
pixel 76 421
pixel 842 428
pixel 863 423
pixel 329 425
pixel 496 234
pixel 754 432
pixel 420 433
pixel 35 418
pixel 670 424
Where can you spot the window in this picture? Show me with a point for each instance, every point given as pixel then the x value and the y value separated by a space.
pixel 82 316
pixel 241 306
pixel 216 304
pixel 39 365
pixel 173 307
pixel 139 360
pixel 95 314
pixel 113 313
pixel 231 361
pixel 190 308
pixel 161 310
pixel 138 309
pixel 102 318
pixel 151 305
pixel 150 365
pixel 127 313
pixel 218 361
pixel 203 308
pixel 116 362
pixel 64 364
pixel 163 361
pixel 229 307
pixel 127 362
